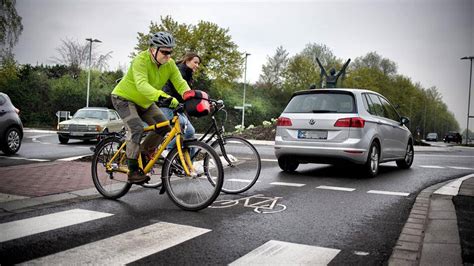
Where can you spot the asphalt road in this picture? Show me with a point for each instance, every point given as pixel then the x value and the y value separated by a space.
pixel 332 209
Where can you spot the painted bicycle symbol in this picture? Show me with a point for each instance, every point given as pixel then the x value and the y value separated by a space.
pixel 259 203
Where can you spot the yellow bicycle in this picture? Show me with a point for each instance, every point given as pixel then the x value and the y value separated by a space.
pixel 191 174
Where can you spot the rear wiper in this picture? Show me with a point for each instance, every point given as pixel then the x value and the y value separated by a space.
pixel 324 111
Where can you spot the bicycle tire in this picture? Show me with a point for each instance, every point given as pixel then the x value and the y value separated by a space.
pixel 193 193
pixel 243 170
pixel 111 185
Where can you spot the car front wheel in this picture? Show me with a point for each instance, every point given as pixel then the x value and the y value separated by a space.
pixel 62 139
pixel 11 142
pixel 287 165
pixel 371 166
pixel 408 160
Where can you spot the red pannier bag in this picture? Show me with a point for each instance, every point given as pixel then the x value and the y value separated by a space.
pixel 196 103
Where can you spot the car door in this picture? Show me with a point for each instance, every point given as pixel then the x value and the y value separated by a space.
pixel 115 124
pixel 398 134
pixel 385 127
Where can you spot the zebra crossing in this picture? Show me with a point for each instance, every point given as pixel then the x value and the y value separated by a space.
pixel 154 238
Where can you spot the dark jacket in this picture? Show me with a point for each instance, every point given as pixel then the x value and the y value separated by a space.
pixel 187 74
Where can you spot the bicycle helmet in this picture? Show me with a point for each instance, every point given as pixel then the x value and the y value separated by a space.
pixel 162 39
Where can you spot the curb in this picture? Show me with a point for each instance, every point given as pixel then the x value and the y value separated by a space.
pixel 415 243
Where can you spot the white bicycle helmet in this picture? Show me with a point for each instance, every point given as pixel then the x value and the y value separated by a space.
pixel 162 39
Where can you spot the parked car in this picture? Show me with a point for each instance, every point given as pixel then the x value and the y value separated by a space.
pixel 88 123
pixel 453 137
pixel 11 128
pixel 432 137
pixel 342 125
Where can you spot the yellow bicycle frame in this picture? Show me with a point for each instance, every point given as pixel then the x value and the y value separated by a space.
pixel 184 157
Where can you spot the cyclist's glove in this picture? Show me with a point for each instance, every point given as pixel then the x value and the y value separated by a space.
pixel 170 102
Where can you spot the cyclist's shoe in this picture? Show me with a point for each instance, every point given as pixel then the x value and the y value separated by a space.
pixel 137 177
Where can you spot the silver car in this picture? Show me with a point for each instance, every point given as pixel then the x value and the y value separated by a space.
pixel 342 125
pixel 88 123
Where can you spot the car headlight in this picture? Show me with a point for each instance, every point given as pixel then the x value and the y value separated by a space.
pixel 63 127
pixel 96 128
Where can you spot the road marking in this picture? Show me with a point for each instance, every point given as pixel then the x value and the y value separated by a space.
pixel 284 253
pixel 460 168
pixel 40 224
pixel 431 166
pixel 287 184
pixel 74 158
pixel 336 188
pixel 23 158
pixel 127 247
pixel 388 193
pixel 269 160
pixel 239 180
pixel 452 188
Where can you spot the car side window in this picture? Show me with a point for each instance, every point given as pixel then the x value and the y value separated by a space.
pixel 390 112
pixel 376 105
pixel 112 116
pixel 367 104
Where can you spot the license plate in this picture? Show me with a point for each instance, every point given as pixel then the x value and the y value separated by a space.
pixel 77 134
pixel 312 134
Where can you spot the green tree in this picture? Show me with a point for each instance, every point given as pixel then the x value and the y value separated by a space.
pixel 272 71
pixel 10 29
pixel 300 74
pixel 375 61
pixel 221 61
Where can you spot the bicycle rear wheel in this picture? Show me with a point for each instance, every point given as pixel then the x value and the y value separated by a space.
pixel 242 165
pixel 193 192
pixel 112 184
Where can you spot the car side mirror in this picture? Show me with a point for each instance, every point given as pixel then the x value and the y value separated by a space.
pixel 404 120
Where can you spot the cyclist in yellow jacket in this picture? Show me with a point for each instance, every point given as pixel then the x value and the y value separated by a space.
pixel 135 97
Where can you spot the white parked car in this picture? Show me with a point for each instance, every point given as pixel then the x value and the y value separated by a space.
pixel 88 123
pixel 342 125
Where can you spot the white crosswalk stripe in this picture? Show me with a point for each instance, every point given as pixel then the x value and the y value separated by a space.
pixel 284 253
pixel 127 247
pixel 40 224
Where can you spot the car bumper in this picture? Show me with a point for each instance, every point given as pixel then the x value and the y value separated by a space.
pixel 351 150
pixel 79 135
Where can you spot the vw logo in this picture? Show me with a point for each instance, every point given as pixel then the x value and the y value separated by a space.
pixel 311 121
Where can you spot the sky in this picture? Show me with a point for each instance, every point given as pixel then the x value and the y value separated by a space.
pixel 425 38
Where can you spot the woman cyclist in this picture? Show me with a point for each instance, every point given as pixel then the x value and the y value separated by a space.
pixel 187 66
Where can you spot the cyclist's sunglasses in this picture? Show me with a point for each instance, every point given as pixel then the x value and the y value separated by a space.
pixel 166 52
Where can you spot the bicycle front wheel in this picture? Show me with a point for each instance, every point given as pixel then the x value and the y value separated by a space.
pixel 193 192
pixel 111 183
pixel 241 163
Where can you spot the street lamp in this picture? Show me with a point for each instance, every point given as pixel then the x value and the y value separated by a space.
pixel 469 97
pixel 245 82
pixel 90 40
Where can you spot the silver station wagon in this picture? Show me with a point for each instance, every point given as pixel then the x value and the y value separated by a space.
pixel 342 125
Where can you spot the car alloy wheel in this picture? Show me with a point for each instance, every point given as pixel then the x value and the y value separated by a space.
pixel 12 141
pixel 372 164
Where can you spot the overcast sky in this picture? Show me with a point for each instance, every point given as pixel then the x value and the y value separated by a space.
pixel 426 38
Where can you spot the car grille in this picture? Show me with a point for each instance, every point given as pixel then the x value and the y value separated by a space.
pixel 78 128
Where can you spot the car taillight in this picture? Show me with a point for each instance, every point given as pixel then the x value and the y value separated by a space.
pixel 350 122
pixel 284 122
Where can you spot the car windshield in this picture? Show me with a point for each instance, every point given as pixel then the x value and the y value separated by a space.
pixel 88 114
pixel 432 135
pixel 321 103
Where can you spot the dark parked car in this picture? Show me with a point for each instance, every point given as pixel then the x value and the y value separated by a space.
pixel 11 128
pixel 453 137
